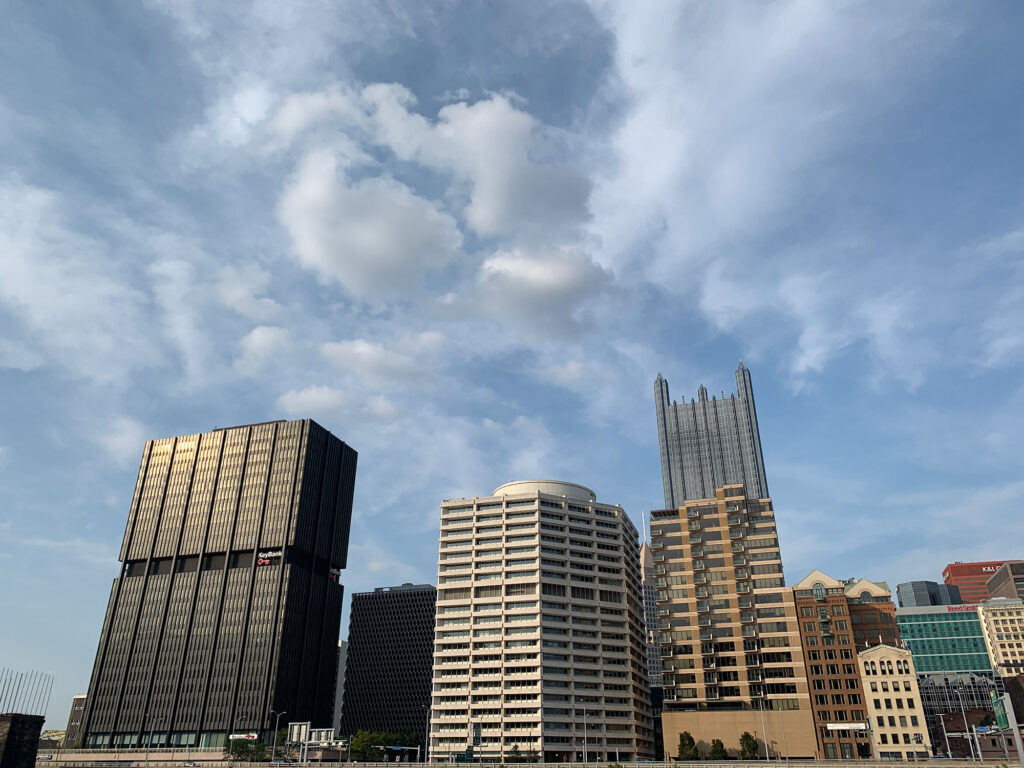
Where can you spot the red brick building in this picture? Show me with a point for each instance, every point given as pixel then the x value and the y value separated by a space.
pixel 972 578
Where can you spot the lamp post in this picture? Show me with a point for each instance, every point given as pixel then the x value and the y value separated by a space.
pixel 152 727
pixel 760 707
pixel 277 726
pixel 426 734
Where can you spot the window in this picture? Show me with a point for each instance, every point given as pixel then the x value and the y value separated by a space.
pixel 819 591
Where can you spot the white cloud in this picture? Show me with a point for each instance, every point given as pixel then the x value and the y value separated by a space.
pixel 333 404
pixel 240 287
pixel 262 346
pixel 181 300
pixel 376 363
pixel 375 237
pixel 73 304
pixel 542 291
pixel 123 438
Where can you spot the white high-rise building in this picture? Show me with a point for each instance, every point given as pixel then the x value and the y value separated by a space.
pixel 539 645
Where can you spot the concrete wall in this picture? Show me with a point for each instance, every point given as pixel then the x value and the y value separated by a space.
pixel 789 731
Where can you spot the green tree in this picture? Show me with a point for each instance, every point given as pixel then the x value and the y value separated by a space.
pixel 687 747
pixel 748 746
pixel 514 756
pixel 533 756
pixel 363 745
pixel 717 750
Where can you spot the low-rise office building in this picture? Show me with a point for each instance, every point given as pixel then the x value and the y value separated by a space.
pixel 919 594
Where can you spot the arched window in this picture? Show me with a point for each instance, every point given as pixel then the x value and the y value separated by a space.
pixel 819 591
pixel 865 597
pixel 888 665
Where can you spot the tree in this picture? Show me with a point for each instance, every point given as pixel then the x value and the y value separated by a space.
pixel 513 754
pixel 748 746
pixel 363 745
pixel 533 756
pixel 717 750
pixel 687 747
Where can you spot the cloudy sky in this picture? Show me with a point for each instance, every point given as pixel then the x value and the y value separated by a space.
pixel 465 237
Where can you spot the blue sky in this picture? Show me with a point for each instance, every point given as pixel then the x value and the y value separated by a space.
pixel 465 237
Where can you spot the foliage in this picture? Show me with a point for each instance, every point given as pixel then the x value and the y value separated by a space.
pixel 365 745
pixel 717 750
pixel 513 755
pixel 244 749
pixel 533 756
pixel 748 746
pixel 687 747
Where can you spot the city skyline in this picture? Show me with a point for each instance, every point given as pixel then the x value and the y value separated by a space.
pixel 467 243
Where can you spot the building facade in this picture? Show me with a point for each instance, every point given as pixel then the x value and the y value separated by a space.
pixel 1007 581
pixel 826 607
pixel 898 728
pixel 971 578
pixel 339 685
pixel 706 444
pixel 539 642
pixel 650 616
pixel 1002 626
pixel 920 594
pixel 228 601
pixel 728 627
pixel 73 732
pixel 389 660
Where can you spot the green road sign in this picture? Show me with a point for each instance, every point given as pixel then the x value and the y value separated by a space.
pixel 476 734
pixel 1000 710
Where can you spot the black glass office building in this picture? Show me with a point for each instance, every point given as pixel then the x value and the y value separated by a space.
pixel 228 603
pixel 389 662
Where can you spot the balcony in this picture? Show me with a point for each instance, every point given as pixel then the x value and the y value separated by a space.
pixel 659 569
pixel 707 648
pixel 697 551
pixel 711 663
pixel 742 588
pixel 712 694
pixel 753 677
pixel 735 534
pixel 710 678
pixel 707 634
pixel 692 513
pixel 658 558
pixel 663 612
pixel 746 617
pixel 700 578
pixel 735 520
pixel 738 548
pixel 655 545
pixel 703 621
pixel 664 625
pixel 693 525
pixel 695 538
pixel 698 565
pixel 703 606
pixel 741 573
pixel 700 592
pixel 749 631
pixel 757 693
pixel 746 603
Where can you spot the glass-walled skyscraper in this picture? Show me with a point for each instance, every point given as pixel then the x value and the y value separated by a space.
pixel 707 444
pixel 228 601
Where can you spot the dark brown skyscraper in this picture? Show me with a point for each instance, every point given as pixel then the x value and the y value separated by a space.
pixel 228 602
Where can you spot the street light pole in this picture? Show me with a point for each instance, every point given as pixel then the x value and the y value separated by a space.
pixel 277 726
pixel 152 726
pixel 963 711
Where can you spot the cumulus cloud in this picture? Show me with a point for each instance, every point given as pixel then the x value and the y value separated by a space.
pixel 405 360
pixel 240 287
pixel 374 236
pixel 71 303
pixel 543 292
pixel 122 437
pixel 261 347
pixel 330 403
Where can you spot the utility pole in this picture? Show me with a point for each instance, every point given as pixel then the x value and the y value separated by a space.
pixel 764 732
pixel 149 741
pixel 585 729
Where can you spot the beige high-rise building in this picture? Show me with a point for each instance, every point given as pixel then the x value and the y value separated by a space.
pixel 1002 626
pixel 539 640
pixel 728 628
pixel 898 727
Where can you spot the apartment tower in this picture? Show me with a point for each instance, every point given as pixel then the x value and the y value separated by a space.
pixel 706 444
pixel 539 644
pixel 228 601
pixel 728 627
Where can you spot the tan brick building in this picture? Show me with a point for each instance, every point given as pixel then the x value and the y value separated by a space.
pixel 728 627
